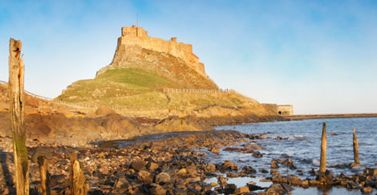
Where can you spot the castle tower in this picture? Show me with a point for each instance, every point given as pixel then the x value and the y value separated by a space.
pixel 134 31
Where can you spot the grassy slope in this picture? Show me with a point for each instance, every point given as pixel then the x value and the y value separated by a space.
pixel 136 77
pixel 137 92
pixel 116 83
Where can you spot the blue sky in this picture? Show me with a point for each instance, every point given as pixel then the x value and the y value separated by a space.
pixel 319 56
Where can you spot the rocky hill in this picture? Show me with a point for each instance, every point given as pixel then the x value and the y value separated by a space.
pixel 153 78
pixel 151 86
pixel 57 123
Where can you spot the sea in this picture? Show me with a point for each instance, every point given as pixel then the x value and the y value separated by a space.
pixel 300 141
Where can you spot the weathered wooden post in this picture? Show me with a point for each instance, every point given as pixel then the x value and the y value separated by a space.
pixel 322 168
pixel 78 186
pixel 355 148
pixel 45 176
pixel 16 98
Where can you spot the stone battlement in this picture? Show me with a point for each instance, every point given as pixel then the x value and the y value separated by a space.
pixel 134 35
pixel 134 31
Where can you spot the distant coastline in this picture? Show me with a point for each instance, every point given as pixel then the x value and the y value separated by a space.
pixel 323 116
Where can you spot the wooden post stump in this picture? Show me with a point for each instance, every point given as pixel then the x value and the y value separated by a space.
pixel 78 184
pixel 45 175
pixel 355 149
pixel 322 168
pixel 16 97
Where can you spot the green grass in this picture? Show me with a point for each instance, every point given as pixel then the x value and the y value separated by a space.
pixel 151 100
pixel 136 77
pixel 121 82
pixel 135 90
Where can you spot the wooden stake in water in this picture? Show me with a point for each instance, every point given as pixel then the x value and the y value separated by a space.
pixel 16 97
pixel 355 148
pixel 322 168
pixel 78 186
pixel 45 176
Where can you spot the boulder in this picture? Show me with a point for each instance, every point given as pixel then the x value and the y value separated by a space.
pixel 194 187
pixel 211 168
pixel 248 170
pixel 163 178
pixel 122 182
pixel 289 163
pixel 242 190
pixel 252 147
pixel 274 164
pixel 157 190
pixel 144 176
pixel 104 170
pixel 182 172
pixel 370 172
pixel 294 180
pixel 214 184
pixel 287 187
pixel 152 166
pixel 276 189
pixel 366 190
pixel 229 165
pixel 215 150
pixel 138 164
pixel 253 187
pixel 257 154
pixel 222 181
pixel 230 189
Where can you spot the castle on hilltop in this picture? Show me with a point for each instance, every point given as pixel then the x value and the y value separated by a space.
pixel 137 36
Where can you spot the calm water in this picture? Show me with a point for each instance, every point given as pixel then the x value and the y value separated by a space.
pixel 300 141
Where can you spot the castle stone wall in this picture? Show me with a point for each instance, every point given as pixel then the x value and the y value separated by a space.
pixel 138 36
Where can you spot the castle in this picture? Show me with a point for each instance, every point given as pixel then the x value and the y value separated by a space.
pixel 137 36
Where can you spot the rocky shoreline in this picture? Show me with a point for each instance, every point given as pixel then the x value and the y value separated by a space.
pixel 56 129
pixel 172 163
pixel 55 124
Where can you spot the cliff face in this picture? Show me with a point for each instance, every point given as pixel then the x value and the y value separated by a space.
pixel 137 37
pixel 162 64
